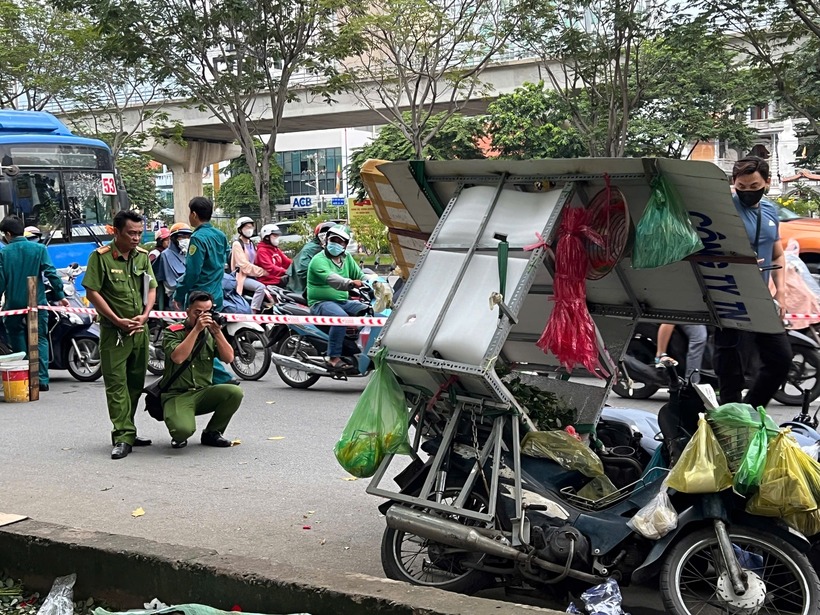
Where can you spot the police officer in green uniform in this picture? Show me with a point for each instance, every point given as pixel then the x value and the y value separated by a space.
pixel 20 260
pixel 205 264
pixel 120 285
pixel 193 393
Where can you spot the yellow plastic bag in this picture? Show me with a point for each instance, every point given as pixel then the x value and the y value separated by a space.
pixel 572 454
pixel 807 523
pixel 702 467
pixel 784 488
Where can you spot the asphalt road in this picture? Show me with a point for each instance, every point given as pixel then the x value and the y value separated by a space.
pixel 279 495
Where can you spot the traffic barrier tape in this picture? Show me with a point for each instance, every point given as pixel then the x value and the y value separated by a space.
pixel 276 319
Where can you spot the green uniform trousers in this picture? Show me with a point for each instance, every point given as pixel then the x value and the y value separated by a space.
pixel 124 361
pixel 182 409
pixel 18 338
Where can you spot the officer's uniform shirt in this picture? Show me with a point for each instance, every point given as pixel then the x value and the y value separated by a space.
pixel 199 374
pixel 204 264
pixel 120 280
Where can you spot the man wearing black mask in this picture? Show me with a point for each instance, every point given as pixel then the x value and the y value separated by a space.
pixel 750 179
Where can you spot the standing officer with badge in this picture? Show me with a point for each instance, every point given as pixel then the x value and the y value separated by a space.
pixel 205 265
pixel 120 285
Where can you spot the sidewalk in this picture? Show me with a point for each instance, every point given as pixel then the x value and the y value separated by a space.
pixel 125 572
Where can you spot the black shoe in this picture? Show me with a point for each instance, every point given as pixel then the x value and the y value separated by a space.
pixel 44 387
pixel 141 441
pixel 214 438
pixel 175 444
pixel 121 449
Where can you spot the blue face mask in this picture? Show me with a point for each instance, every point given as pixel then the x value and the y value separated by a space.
pixel 335 249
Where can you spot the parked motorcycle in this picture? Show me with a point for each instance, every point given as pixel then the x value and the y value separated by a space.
pixel 638 378
pixel 300 349
pixel 252 356
pixel 74 339
pixel 477 513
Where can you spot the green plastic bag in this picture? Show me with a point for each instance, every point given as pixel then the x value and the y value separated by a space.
pixel 742 415
pixel 664 234
pixel 378 425
pixel 751 468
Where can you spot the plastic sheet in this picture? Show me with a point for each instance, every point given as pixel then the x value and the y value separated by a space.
pixel 603 599
pixel 656 519
pixel 702 467
pixel 665 233
pixel 378 425
pixel 60 600
pixel 784 487
pixel 751 468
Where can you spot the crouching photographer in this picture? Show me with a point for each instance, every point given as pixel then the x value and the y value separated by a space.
pixel 187 384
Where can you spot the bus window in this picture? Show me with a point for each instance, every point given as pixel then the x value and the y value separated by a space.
pixel 86 201
pixel 38 199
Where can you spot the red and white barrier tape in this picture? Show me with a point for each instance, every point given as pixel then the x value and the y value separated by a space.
pixel 276 319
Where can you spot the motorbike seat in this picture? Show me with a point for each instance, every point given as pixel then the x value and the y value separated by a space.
pixel 293 309
pixel 296 297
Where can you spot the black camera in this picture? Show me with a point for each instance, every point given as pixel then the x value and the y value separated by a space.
pixel 218 318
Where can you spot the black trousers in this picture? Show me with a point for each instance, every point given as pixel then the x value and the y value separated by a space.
pixel 733 353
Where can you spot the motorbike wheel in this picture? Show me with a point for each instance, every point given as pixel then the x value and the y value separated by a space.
pixel 645 354
pixel 84 366
pixel 804 374
pixel 156 355
pixel 410 558
pixel 251 355
pixel 298 347
pixel 780 578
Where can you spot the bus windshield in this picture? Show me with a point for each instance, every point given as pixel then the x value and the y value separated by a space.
pixel 51 200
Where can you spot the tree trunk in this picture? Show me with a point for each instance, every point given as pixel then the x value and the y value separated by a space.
pixel 263 188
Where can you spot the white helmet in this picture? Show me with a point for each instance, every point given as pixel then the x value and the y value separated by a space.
pixel 340 230
pixel 243 221
pixel 269 229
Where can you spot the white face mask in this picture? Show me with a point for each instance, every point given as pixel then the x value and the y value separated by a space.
pixel 274 241
pixel 247 232
pixel 183 245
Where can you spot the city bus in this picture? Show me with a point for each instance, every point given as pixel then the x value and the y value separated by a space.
pixel 61 183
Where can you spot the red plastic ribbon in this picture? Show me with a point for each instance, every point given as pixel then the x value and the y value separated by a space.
pixel 570 332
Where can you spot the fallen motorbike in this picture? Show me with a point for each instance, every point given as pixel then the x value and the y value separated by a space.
pixel 638 379
pixel 300 349
pixel 477 513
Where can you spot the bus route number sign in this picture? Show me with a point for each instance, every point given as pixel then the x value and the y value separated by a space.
pixel 109 184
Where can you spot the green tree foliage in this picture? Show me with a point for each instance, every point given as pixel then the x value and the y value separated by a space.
pixel 140 181
pixel 780 38
pixel 235 60
pixel 371 234
pixel 636 78
pixel 40 55
pixel 532 122
pixel 694 91
pixel 238 194
pixel 457 139
pixel 425 55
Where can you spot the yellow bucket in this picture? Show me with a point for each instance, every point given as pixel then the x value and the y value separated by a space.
pixel 15 380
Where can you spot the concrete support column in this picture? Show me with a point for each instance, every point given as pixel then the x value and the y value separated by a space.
pixel 186 163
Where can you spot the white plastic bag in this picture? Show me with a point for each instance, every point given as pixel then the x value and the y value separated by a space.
pixel 656 519
pixel 60 600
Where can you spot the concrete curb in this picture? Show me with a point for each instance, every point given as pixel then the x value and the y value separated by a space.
pixel 124 572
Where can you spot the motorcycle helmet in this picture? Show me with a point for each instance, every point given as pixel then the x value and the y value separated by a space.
pixel 269 229
pixel 32 233
pixel 180 228
pixel 341 231
pixel 243 221
pixel 323 227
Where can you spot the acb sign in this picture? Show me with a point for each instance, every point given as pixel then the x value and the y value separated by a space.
pixel 297 202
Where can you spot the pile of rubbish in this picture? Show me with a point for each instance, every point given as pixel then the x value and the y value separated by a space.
pixel 14 600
